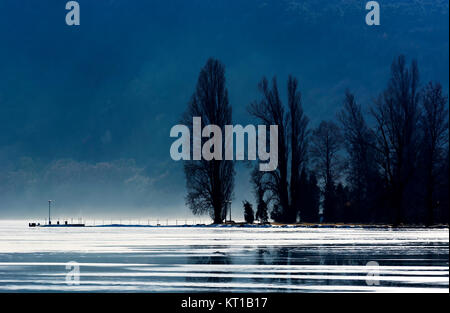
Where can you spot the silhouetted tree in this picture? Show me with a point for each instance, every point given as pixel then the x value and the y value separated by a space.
pixel 210 183
pixel 362 174
pixel 276 212
pixel 298 123
pixel 396 171
pixel 442 193
pixel 434 126
pixel 259 191
pixel 325 146
pixel 303 195
pixel 310 198
pixel 270 111
pixel 396 113
pixel 292 139
pixel 248 212
pixel 261 212
pixel 344 211
pixel 313 198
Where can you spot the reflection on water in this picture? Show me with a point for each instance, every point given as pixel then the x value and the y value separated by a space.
pixel 217 258
pixel 224 259
pixel 279 268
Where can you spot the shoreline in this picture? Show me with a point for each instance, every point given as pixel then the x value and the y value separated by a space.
pixel 278 225
pixel 240 225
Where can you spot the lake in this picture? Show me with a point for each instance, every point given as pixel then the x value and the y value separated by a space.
pixel 228 259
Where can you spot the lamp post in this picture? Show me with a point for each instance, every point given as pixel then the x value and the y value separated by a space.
pixel 49 203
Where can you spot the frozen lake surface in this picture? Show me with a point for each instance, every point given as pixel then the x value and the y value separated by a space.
pixel 208 259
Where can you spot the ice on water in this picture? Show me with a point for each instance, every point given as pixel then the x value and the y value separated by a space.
pixel 185 259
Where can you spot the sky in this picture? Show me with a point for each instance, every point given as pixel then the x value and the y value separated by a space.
pixel 85 111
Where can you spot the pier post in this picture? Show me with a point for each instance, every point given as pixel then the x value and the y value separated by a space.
pixel 49 218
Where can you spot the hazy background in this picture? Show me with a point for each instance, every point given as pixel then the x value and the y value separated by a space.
pixel 85 112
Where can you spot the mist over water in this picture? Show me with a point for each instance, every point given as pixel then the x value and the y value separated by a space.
pixel 85 113
pixel 183 259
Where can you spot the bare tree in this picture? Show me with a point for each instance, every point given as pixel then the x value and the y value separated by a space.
pixel 309 197
pixel 359 142
pixel 396 113
pixel 259 189
pixel 326 143
pixel 298 123
pixel 210 183
pixel 292 145
pixel 434 126
pixel 270 111
pixel 249 215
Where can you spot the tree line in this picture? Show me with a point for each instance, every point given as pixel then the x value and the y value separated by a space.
pixel 387 165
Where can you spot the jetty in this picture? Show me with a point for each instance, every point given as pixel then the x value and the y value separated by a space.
pixel 58 224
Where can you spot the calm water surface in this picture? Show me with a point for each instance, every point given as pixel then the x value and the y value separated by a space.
pixel 204 259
